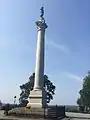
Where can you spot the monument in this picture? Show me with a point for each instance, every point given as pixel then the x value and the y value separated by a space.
pixel 37 97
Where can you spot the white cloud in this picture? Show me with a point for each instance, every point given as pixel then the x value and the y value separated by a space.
pixel 72 76
pixel 61 47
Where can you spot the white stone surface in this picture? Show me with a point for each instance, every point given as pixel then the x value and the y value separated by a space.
pixel 37 99
pixel 39 69
pixel 78 115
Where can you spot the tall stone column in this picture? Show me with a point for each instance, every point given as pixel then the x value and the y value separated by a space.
pixel 37 97
pixel 39 69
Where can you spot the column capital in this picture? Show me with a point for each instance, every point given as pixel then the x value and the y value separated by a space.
pixel 41 25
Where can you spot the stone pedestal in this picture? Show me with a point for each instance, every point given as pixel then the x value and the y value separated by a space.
pixel 37 99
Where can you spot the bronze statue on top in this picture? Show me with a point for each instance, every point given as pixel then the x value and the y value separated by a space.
pixel 42 11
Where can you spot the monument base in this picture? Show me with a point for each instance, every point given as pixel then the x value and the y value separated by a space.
pixel 37 99
pixel 50 112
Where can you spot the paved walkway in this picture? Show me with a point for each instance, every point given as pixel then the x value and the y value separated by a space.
pixel 78 115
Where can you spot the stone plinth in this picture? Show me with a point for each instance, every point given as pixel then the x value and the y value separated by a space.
pixel 37 99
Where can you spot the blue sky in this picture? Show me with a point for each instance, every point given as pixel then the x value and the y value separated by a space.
pixel 67 45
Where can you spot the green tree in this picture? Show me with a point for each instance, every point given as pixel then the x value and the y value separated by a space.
pixel 84 99
pixel 0 103
pixel 27 87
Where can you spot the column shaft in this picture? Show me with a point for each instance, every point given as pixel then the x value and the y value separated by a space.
pixel 39 69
